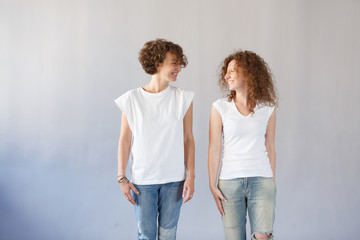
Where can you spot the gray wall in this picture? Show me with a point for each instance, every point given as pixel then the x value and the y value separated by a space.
pixel 62 63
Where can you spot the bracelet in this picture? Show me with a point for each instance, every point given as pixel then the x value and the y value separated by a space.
pixel 120 175
pixel 123 179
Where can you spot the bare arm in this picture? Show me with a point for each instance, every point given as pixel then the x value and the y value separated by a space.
pixel 123 156
pixel 124 145
pixel 189 148
pixel 215 135
pixel 270 141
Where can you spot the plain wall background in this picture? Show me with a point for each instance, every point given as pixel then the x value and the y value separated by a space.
pixel 62 63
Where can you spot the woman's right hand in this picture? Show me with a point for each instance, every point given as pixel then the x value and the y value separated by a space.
pixel 218 196
pixel 125 188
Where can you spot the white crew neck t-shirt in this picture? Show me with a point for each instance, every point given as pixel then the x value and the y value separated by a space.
pixel 156 122
pixel 244 152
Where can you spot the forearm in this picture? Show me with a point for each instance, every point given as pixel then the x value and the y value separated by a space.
pixel 270 141
pixel 213 166
pixel 272 159
pixel 189 148
pixel 123 156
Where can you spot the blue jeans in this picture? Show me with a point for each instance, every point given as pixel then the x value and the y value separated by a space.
pixel 253 194
pixel 157 210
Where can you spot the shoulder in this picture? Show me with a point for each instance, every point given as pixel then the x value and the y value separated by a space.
pixel 185 95
pixel 132 92
pixel 264 108
pixel 128 94
pixel 221 102
pixel 221 105
pixel 182 91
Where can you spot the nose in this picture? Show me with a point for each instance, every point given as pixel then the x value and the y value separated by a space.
pixel 227 76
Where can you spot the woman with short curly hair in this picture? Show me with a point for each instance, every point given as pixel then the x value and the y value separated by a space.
pixel 156 128
pixel 242 128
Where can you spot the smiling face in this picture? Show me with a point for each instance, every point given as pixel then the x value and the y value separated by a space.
pixel 234 76
pixel 169 68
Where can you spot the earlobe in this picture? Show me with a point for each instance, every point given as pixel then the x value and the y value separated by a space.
pixel 157 66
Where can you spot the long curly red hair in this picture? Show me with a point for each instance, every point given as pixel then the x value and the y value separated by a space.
pixel 261 89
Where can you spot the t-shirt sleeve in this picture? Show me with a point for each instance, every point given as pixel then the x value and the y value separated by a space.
pixel 188 98
pixel 217 106
pixel 270 111
pixel 124 104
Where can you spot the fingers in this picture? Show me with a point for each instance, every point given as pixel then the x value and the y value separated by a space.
pixel 188 192
pixel 220 207
pixel 126 188
pixel 134 188
pixel 129 198
pixel 188 197
pixel 219 198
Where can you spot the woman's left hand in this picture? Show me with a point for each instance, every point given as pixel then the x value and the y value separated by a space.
pixel 189 189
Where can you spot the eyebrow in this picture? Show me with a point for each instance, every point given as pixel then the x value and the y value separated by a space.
pixel 175 60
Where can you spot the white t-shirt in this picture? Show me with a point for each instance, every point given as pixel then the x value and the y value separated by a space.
pixel 244 151
pixel 156 122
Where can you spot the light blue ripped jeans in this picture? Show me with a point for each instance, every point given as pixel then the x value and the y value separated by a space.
pixel 157 210
pixel 253 194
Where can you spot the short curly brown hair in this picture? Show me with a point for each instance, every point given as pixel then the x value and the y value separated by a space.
pixel 154 52
pixel 261 89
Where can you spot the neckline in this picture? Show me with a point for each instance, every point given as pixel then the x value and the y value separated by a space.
pixel 237 110
pixel 166 90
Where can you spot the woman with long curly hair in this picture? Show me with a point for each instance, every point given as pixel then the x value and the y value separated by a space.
pixel 156 127
pixel 242 128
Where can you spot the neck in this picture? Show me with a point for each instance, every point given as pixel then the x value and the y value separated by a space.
pixel 241 96
pixel 156 84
